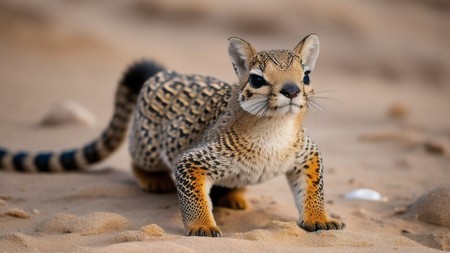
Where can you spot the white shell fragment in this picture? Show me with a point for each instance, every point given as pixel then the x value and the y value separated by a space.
pixel 68 112
pixel 366 194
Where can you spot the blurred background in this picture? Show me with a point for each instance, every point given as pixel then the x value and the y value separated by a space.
pixel 382 81
pixel 379 60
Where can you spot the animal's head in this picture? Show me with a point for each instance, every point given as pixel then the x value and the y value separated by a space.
pixel 275 82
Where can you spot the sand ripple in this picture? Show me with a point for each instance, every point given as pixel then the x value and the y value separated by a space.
pixel 91 224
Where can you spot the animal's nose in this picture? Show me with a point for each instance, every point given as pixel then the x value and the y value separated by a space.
pixel 290 90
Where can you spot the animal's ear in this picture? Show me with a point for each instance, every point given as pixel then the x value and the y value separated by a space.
pixel 241 53
pixel 308 49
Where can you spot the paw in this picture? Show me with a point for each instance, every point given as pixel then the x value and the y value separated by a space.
pixel 327 225
pixel 233 201
pixel 229 197
pixel 206 231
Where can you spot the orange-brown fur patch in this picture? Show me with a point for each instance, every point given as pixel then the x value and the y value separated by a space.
pixel 154 182
pixel 313 211
pixel 234 199
pixel 200 221
pixel 314 215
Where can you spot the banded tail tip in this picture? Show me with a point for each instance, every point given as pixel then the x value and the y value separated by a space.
pixel 41 162
pixel 138 73
pixel 3 153
pixel 13 160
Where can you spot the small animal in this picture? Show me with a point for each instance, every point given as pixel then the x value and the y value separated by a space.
pixel 207 140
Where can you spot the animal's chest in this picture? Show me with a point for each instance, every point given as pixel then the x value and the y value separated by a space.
pixel 253 172
pixel 261 161
pixel 249 172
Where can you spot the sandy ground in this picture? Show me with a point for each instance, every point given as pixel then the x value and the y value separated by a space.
pixel 384 68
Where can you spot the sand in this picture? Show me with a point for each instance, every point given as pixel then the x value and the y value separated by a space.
pixel 382 75
pixel 433 206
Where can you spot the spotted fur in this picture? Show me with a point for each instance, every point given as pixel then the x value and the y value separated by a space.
pixel 207 140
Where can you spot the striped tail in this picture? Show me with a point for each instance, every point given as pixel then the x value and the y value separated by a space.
pixel 98 149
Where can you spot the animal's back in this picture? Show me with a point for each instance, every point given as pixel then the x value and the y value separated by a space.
pixel 172 114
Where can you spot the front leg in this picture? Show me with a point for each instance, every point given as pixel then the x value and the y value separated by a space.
pixel 193 186
pixel 306 182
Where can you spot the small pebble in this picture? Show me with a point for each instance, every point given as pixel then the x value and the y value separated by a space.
pixel 400 210
pixel 365 194
pixel 398 111
pixel 18 213
pixel 68 112
pixel 437 147
pixel 5 197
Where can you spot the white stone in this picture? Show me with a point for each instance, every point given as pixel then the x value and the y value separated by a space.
pixel 68 112
pixel 366 194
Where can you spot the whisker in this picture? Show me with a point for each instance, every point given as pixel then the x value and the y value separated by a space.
pixel 319 109
pixel 314 111
pixel 253 104
pixel 266 110
pixel 323 91
pixel 319 105
pixel 328 99
pixel 318 96
pixel 257 105
pixel 261 109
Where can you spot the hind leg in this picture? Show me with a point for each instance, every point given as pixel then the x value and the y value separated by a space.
pixel 233 198
pixel 154 181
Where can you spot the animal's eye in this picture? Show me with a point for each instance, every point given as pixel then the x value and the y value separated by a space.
pixel 257 81
pixel 306 79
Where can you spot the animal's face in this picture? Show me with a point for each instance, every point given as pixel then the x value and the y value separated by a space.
pixel 276 82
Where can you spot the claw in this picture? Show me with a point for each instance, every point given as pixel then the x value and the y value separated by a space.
pixel 205 232
pixel 216 234
pixel 331 226
pixel 328 225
